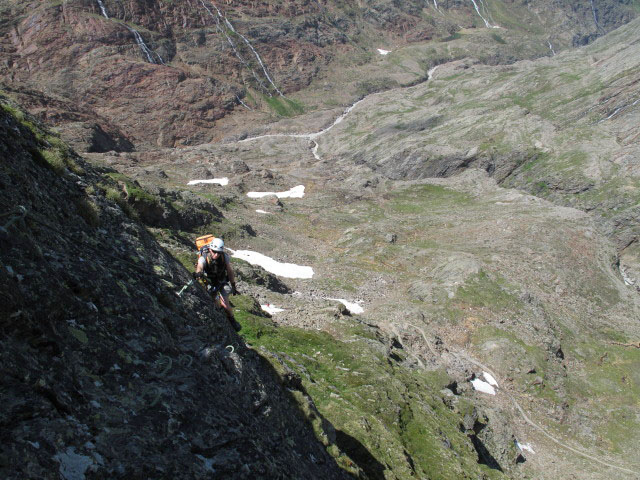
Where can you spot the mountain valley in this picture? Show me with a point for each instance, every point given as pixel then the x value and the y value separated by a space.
pixel 458 181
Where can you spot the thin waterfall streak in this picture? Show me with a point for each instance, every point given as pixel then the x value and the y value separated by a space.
pixel 103 9
pixel 231 27
pixel 551 48
pixel 264 69
pixel 243 104
pixel 233 45
pixel 619 109
pixel 615 112
pixel 595 17
pixel 485 7
pixel 141 44
pixel 480 14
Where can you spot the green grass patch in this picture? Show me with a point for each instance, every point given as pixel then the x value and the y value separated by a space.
pixel 483 290
pixel 131 196
pixel 393 412
pixel 89 211
pixel 453 36
pixel 521 355
pixel 498 38
pixel 46 148
pixel 283 106
pixel 424 198
pixel 115 196
pixel 611 384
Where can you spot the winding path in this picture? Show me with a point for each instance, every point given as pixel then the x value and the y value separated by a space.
pixel 465 357
pixel 314 136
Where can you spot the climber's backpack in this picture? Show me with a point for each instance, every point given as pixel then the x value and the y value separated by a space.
pixel 203 241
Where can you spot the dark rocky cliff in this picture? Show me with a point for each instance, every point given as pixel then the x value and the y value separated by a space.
pixel 105 371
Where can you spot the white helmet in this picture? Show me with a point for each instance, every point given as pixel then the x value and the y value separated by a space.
pixel 216 245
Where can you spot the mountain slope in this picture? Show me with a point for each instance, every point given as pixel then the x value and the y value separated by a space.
pixel 166 73
pixel 106 372
pixel 464 275
pixel 484 216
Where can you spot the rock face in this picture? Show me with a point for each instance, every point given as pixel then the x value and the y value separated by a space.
pixel 166 72
pixel 106 372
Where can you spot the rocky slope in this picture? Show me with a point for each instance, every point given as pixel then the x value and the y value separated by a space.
pixel 483 214
pixel 106 373
pixel 167 73
pixel 462 274
pixel 563 128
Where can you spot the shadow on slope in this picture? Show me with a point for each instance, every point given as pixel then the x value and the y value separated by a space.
pixel 106 372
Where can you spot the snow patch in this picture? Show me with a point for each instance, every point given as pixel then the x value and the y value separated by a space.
pixel 295 192
pixel 314 150
pixel 353 307
pixel 482 386
pixel 524 446
pixel 220 181
pixel 262 211
pixel 271 308
pixel 287 270
pixel 489 378
pixel 384 52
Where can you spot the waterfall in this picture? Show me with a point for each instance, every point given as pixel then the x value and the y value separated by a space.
pixel 242 103
pixel 488 25
pixel 222 17
pixel 102 9
pixel 143 46
pixel 551 48
pixel 264 69
pixel 147 52
pixel 595 17
pixel 233 45
pixel 619 109
pixel 486 9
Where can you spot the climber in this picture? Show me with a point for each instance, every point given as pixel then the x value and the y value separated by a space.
pixel 214 269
